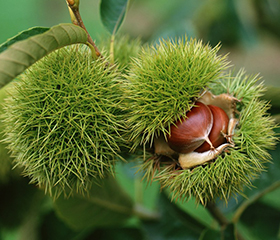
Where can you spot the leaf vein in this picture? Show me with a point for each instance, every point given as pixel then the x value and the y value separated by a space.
pixel 7 73
pixel 38 43
pixel 15 61
pixel 23 51
pixel 69 36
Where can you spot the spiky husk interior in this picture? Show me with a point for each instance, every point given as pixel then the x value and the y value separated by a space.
pixel 238 166
pixel 163 82
pixel 63 121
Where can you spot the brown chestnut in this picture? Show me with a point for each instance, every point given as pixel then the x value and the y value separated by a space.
pixel 218 131
pixel 192 130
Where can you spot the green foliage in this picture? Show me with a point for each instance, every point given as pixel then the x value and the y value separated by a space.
pixel 272 95
pixel 113 13
pixel 22 36
pixel 22 54
pixel 268 16
pixel 123 233
pixel 63 121
pixel 110 207
pixel 164 81
pixel 223 23
pixel 182 223
pixel 260 221
pixel 17 200
pixel 54 228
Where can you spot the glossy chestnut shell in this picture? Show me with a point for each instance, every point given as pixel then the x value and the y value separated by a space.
pixel 191 130
pixel 218 131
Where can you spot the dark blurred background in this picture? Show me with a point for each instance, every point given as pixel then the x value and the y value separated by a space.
pixel 248 29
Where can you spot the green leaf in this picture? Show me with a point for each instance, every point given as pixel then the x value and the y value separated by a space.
pixel 229 233
pixel 272 94
pixel 18 198
pixel 123 233
pixel 267 182
pixel 112 14
pixel 173 224
pixel 52 227
pixel 226 234
pixel 197 211
pixel 210 234
pixel 105 205
pixel 260 221
pixel 22 36
pixel 265 187
pixel 139 190
pixel 272 199
pixel 23 54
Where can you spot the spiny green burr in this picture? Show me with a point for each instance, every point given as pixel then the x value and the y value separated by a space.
pixel 63 121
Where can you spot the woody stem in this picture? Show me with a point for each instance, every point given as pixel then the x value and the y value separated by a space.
pixel 74 7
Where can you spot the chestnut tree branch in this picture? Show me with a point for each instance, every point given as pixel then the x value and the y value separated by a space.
pixel 74 7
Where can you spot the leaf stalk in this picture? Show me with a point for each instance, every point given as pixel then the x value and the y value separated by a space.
pixel 112 42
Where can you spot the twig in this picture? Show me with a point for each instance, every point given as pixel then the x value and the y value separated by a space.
pixel 74 7
pixel 217 214
pixel 253 199
pixel 221 218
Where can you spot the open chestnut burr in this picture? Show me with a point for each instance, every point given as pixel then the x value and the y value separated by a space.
pixel 203 133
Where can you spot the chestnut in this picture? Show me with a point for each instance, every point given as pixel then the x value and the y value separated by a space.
pixel 192 130
pixel 219 129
